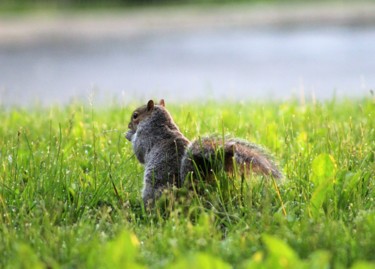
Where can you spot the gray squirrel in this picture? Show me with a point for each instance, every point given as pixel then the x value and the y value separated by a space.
pixel 169 157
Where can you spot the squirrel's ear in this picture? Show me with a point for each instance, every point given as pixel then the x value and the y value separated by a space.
pixel 162 103
pixel 150 105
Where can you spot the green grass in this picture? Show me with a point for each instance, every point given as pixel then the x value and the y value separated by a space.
pixel 70 191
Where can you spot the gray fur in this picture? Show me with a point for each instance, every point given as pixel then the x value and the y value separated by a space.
pixel 169 157
pixel 202 153
pixel 159 145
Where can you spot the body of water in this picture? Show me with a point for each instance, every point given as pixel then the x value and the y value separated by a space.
pixel 236 63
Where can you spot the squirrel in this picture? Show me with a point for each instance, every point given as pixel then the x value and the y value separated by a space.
pixel 169 157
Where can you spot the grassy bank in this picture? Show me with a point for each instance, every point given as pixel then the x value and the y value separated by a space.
pixel 70 191
pixel 84 4
pixel 56 6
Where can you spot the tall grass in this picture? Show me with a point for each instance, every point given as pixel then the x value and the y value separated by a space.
pixel 70 191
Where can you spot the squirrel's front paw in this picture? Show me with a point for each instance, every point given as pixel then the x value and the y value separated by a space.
pixel 129 135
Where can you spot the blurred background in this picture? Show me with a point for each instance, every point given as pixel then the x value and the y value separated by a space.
pixel 121 51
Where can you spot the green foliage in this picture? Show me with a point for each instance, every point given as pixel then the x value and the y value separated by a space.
pixel 200 260
pixel 119 253
pixel 324 169
pixel 70 191
pixel 280 255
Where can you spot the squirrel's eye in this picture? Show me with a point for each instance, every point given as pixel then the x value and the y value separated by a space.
pixel 135 116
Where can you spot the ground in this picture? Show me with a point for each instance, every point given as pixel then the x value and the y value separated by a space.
pixel 70 190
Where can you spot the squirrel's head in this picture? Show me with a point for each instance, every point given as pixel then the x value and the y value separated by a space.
pixel 142 113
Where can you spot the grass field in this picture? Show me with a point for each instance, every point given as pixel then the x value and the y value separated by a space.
pixel 70 191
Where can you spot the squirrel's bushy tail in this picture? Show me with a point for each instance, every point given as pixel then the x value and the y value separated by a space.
pixel 209 153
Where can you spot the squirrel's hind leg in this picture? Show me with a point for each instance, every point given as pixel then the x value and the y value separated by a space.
pixel 148 195
pixel 187 167
pixel 152 188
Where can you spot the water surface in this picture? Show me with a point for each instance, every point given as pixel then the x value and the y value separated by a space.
pixel 237 63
